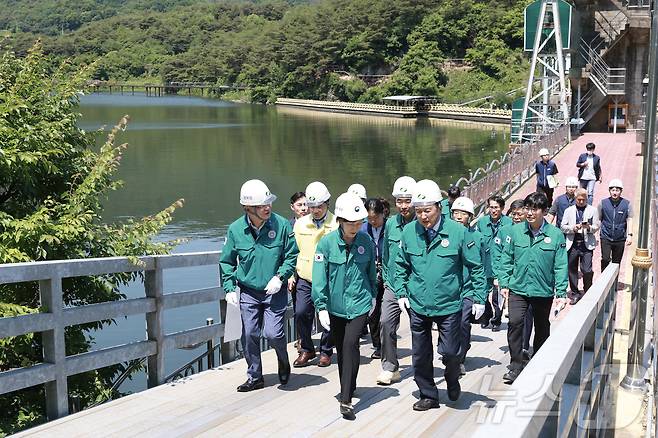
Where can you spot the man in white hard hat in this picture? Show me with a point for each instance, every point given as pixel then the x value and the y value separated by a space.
pixel 564 201
pixel 616 215
pixel 428 280
pixel 390 311
pixel 546 170
pixel 358 190
pixel 473 299
pixel 257 259
pixel 308 232
pixel 579 225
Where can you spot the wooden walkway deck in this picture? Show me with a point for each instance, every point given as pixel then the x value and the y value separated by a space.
pixel 207 404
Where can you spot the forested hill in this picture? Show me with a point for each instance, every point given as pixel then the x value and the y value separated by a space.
pixel 285 48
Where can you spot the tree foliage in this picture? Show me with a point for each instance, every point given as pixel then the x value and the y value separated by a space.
pixel 53 180
pixel 291 48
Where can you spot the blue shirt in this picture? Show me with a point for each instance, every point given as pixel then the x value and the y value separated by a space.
pixel 543 170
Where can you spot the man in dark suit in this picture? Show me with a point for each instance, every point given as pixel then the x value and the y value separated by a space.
pixel 589 171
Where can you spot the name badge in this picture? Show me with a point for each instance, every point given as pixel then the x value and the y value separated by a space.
pixel 445 243
pixel 497 240
pixel 271 234
pixel 361 250
pixel 547 240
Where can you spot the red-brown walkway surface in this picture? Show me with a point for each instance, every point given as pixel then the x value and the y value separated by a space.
pixel 620 158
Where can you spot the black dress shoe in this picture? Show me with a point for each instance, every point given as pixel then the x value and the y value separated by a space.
pixel 284 371
pixel 484 325
pixel 425 404
pixel 495 328
pixel 377 354
pixel 251 385
pixel 511 376
pixel 454 391
pixel 526 355
pixel 347 411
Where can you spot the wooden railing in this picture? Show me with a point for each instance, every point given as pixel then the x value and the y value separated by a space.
pixel 54 317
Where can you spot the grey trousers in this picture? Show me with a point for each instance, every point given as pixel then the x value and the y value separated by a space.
pixel 389 323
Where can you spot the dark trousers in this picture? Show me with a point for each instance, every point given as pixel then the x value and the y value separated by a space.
pixel 304 317
pixel 266 313
pixel 527 327
pixel 347 334
pixel 611 250
pixel 374 318
pixel 493 307
pixel 547 191
pixel 423 354
pixel 579 255
pixel 518 307
pixel 465 328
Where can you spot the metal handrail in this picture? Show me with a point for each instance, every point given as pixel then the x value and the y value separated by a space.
pixel 564 390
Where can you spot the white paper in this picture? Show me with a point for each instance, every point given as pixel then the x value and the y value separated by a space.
pixel 233 323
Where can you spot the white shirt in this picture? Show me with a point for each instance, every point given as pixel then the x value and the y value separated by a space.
pixel 588 172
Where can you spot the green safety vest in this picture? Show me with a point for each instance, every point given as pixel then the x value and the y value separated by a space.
pixel 492 241
pixel 253 262
pixel 432 276
pixel 344 282
pixel 534 266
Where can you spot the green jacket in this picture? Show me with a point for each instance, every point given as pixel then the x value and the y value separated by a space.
pixel 432 276
pixel 534 266
pixel 253 262
pixel 344 283
pixel 392 235
pixel 492 241
pixel 473 239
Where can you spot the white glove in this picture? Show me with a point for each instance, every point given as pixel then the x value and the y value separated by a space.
pixel 403 303
pixel 478 310
pixel 273 286
pixel 232 298
pixel 323 316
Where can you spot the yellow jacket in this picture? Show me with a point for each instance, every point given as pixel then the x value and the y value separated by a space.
pixel 308 236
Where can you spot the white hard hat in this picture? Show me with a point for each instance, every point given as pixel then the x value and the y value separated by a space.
pixel 350 207
pixel 316 194
pixel 616 183
pixel 426 192
pixel 543 151
pixel 572 181
pixel 403 187
pixel 255 192
pixel 358 190
pixel 463 204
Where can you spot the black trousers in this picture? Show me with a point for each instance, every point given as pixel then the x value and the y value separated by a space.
pixel 423 354
pixel 611 250
pixel 347 334
pixel 465 328
pixel 527 327
pixel 518 306
pixel 580 256
pixel 375 315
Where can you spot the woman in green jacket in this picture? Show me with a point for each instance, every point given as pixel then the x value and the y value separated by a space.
pixel 344 289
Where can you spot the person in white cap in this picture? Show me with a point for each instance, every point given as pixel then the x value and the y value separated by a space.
pixel 257 259
pixel 546 170
pixel 564 201
pixel 390 311
pixel 309 230
pixel 344 290
pixel 358 190
pixel 428 280
pixel 473 299
pixel 616 215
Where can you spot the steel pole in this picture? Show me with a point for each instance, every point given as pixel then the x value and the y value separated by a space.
pixel 634 379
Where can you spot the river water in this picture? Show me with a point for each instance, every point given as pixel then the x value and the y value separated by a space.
pixel 203 150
